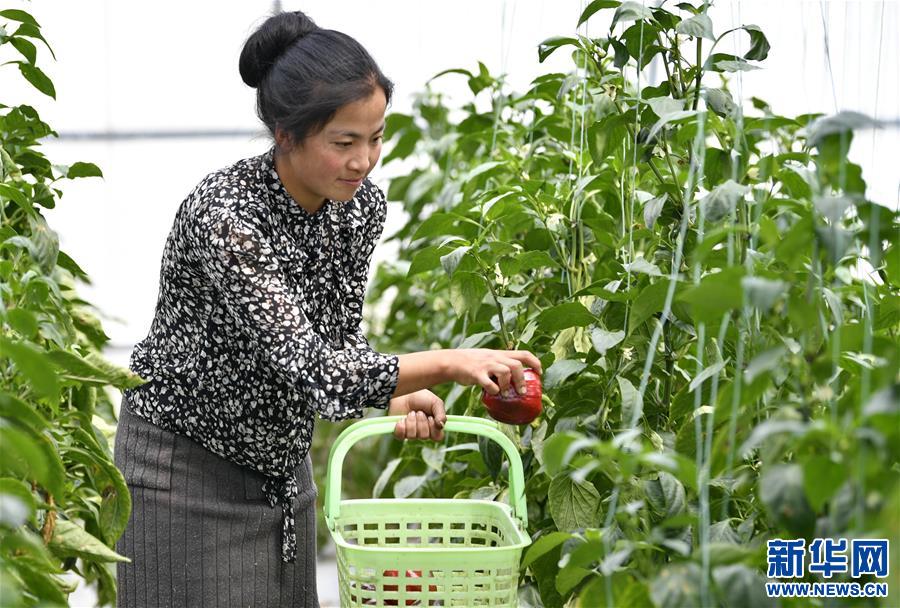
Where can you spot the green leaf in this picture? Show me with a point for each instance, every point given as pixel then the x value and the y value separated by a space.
pixel 761 292
pixel 531 260
pixel 405 145
pixel 665 106
pixel 793 248
pixel 722 201
pixel 560 370
pixel 451 260
pixel 573 505
pixel 467 290
pixel 667 119
pixel 115 505
pixel 768 428
pixel 120 377
pixel 36 77
pixel 569 577
pixel 627 591
pixel 76 366
pixel 395 123
pixel 794 183
pixel 603 340
pixel 385 476
pixel 720 101
pixel 632 402
pixel 630 11
pixel 25 47
pixel 742 587
pixel 46 243
pixel 832 207
pixel 562 316
pixel 715 295
pixel 652 208
pixel 605 137
pixel 34 365
pixel 16 503
pixel 424 260
pixel 542 545
pixel 845 121
pixel 706 374
pixel 42 585
pixel 595 6
pixel 23 321
pixel 406 486
pixel 81 169
pixel 484 168
pixel 18 15
pixel 71 540
pixel 835 240
pixel 676 586
pixel 759 44
pixel 556 450
pixel 649 302
pixel 821 479
pixel 31 455
pixel 21 413
pixel 642 266
pixel 665 494
pixel 476 340
pixel 732 65
pixel 436 224
pixel 620 59
pixel 698 26
pixel 15 195
pixel 546 48
pixel 781 489
pixel 64 261
pixel 722 532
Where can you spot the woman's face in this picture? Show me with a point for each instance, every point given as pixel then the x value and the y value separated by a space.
pixel 332 163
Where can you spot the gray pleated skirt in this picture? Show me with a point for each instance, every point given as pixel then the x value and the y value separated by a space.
pixel 201 532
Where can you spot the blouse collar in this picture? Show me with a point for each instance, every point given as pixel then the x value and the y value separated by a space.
pixel 339 212
pixel 279 194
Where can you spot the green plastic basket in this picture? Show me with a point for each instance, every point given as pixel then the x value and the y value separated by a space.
pixel 427 552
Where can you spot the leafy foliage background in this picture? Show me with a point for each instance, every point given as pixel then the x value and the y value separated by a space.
pixel 63 503
pixel 713 298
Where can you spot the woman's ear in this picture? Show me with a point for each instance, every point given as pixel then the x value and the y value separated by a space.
pixel 283 140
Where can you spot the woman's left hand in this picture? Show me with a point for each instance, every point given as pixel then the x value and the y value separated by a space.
pixel 425 416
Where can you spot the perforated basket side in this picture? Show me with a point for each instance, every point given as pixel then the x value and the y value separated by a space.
pixel 428 552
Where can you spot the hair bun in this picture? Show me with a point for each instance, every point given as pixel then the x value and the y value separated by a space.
pixel 269 42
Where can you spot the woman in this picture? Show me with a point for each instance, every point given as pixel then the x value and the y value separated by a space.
pixel 256 331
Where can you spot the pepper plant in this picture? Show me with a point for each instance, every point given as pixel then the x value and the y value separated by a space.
pixel 63 503
pixel 714 300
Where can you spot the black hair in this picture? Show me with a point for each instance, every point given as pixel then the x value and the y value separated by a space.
pixel 303 73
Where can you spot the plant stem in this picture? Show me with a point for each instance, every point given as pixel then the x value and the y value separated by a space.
pixel 507 342
pixel 699 73
pixel 667 386
pixel 672 82
pixel 672 171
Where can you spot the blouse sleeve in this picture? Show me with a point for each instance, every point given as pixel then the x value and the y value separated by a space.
pixel 364 245
pixel 239 258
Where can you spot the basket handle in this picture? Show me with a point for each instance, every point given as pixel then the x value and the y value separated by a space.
pixel 383 425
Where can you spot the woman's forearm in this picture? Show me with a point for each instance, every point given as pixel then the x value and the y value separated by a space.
pixel 423 370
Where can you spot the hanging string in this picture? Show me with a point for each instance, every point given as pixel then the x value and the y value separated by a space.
pixel 578 204
pixel 505 34
pixel 866 378
pixel 632 171
pixel 828 53
pixel 614 497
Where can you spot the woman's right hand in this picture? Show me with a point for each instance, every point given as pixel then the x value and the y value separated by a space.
pixel 475 366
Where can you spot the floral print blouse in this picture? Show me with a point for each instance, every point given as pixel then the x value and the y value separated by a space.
pixel 256 328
